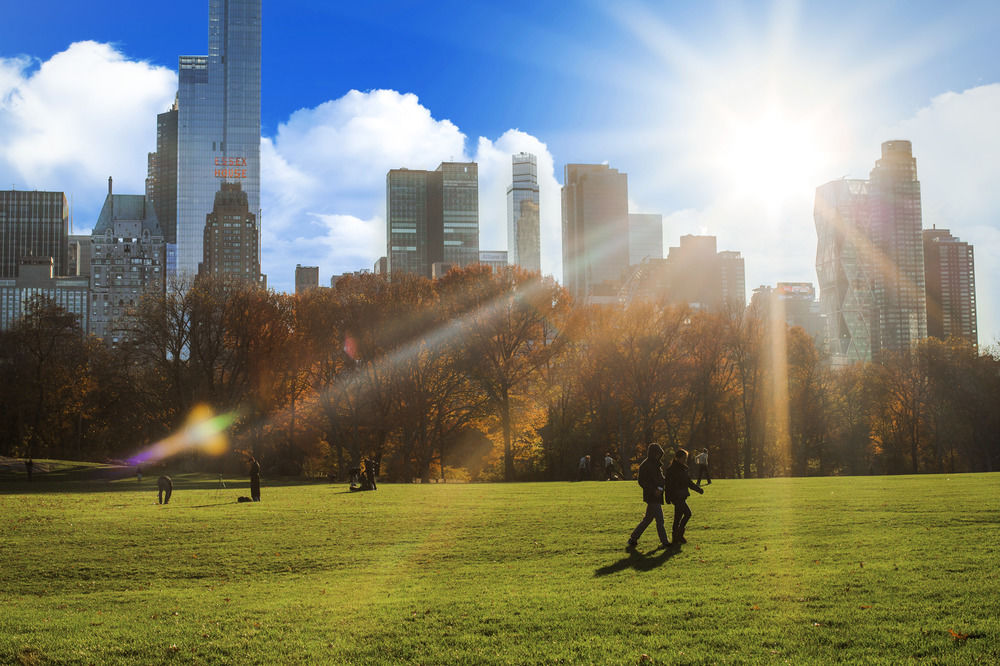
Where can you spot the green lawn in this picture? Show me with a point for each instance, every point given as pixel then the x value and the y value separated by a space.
pixel 862 570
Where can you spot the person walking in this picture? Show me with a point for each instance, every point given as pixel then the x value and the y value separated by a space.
pixel 254 479
pixel 609 466
pixel 651 481
pixel 702 461
pixel 29 467
pixel 165 488
pixel 584 468
pixel 677 485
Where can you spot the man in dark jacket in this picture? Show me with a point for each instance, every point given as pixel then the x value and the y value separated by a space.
pixel 254 479
pixel 165 488
pixel 677 484
pixel 651 481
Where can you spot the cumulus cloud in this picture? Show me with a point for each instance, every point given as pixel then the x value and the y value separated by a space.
pixel 956 139
pixel 323 181
pixel 84 114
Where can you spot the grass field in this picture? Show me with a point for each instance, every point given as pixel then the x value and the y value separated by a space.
pixel 856 570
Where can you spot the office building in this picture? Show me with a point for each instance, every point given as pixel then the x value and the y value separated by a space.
pixel 950 278
pixel 230 238
pixel 128 262
pixel 694 274
pixel 161 176
pixel 792 303
pixel 33 224
pixel 594 232
pixel 306 277
pixel 523 218
pixel 844 269
pixel 381 267
pixel 495 259
pixel 645 237
pixel 78 256
pixel 36 278
pixel 432 217
pixel 870 259
pixel 218 123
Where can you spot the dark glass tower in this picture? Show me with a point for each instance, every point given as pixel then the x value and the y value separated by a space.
pixel 950 276
pixel 33 224
pixel 432 217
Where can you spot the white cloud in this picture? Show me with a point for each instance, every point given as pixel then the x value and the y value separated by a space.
pixel 323 180
pixel 956 140
pixel 84 114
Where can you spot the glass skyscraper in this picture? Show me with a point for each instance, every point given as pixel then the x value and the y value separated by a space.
pixel 218 124
pixel 523 234
pixel 432 217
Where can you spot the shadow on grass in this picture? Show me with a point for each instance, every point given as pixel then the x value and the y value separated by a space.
pixel 638 561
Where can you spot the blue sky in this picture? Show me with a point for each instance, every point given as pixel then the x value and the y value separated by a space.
pixel 667 92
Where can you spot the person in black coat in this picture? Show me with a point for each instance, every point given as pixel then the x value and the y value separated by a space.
pixel 678 484
pixel 165 488
pixel 651 481
pixel 254 479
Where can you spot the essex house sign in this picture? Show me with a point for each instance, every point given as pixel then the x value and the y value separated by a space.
pixel 230 167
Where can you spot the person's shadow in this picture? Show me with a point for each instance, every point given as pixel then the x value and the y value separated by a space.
pixel 638 561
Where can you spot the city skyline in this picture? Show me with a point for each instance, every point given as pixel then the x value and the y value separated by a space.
pixel 920 75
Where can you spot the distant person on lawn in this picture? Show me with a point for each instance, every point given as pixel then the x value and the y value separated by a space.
pixel 678 483
pixel 651 481
pixel 584 468
pixel 29 466
pixel 702 461
pixel 165 488
pixel 254 479
pixel 609 466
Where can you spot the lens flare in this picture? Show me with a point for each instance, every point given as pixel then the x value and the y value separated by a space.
pixel 203 431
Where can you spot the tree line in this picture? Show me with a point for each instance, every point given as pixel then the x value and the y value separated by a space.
pixel 486 375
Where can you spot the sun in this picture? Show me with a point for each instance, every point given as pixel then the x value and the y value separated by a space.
pixel 769 154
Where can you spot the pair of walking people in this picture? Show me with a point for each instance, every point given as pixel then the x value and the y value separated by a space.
pixel 674 487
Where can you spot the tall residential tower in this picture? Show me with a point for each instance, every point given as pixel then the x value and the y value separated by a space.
pixel 218 123
pixel 523 220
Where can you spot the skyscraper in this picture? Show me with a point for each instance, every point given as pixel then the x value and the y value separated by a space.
pixel 306 278
pixel 432 217
pixel 161 178
pixel 844 269
pixel 523 219
pixel 870 259
pixel 895 228
pixel 128 261
pixel 218 122
pixel 33 224
pixel 645 237
pixel 595 231
pixel 230 237
pixel 950 277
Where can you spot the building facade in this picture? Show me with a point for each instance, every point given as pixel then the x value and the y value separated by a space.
pixel 33 224
pixel 895 229
pixel 844 269
pixel 950 278
pixel 645 237
pixel 78 257
pixel 161 176
pixel 218 123
pixel 594 231
pixel 523 216
pixel 230 237
pixel 128 261
pixel 432 217
pixel 36 279
pixel 495 259
pixel 306 277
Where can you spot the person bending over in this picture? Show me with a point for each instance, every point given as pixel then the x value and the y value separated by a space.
pixel 165 487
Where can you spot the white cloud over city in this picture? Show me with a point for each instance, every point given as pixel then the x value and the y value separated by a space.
pixel 86 113
pixel 324 181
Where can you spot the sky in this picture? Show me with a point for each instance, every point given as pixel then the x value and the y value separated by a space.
pixel 725 116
